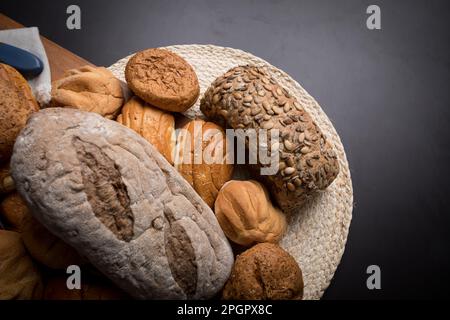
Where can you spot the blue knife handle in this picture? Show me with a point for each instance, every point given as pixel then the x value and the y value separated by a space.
pixel 23 61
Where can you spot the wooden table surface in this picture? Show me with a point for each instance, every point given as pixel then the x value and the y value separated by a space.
pixel 59 58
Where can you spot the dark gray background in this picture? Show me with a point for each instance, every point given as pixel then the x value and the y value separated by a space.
pixel 387 93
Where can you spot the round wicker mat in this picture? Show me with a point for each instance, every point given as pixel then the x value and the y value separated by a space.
pixel 317 234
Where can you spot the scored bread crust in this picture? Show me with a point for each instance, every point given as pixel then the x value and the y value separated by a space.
pixel 154 125
pixel 112 196
pixel 206 178
pixel 93 89
pixel 163 79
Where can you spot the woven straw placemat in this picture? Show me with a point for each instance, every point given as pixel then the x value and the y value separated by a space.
pixel 317 234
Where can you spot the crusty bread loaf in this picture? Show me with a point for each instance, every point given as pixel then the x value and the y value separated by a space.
pixel 246 97
pixel 154 125
pixel 17 103
pixel 207 177
pixel 113 197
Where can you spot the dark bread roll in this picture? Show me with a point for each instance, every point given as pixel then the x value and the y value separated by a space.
pixel 17 103
pixel 246 97
pixel 163 79
pixel 264 272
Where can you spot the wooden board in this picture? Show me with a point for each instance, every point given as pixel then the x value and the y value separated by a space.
pixel 59 58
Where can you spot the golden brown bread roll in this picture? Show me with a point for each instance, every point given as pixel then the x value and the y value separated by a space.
pixel 155 125
pixel 19 276
pixel 264 272
pixel 246 215
pixel 207 177
pixel 45 247
pixel 247 97
pixel 41 244
pixel 17 103
pixel 93 89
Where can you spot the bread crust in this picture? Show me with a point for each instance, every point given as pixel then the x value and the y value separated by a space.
pixel 17 103
pixel 42 245
pixel 112 196
pixel 93 89
pixel 247 97
pixel 264 272
pixel 163 79
pixel 246 215
pixel 153 124
pixel 20 278
pixel 206 178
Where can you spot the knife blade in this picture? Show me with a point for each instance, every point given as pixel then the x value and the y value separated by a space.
pixel 23 61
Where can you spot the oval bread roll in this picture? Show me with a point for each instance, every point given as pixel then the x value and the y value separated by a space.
pixel 154 125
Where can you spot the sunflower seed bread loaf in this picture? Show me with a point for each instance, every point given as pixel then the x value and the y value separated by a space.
pixel 114 198
pixel 246 97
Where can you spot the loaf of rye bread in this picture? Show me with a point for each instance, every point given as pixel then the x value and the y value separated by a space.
pixel 112 196
pixel 246 97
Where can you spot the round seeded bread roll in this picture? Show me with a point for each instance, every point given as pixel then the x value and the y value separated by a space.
pixel 247 97
pixel 264 272
pixel 163 79
pixel 17 103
